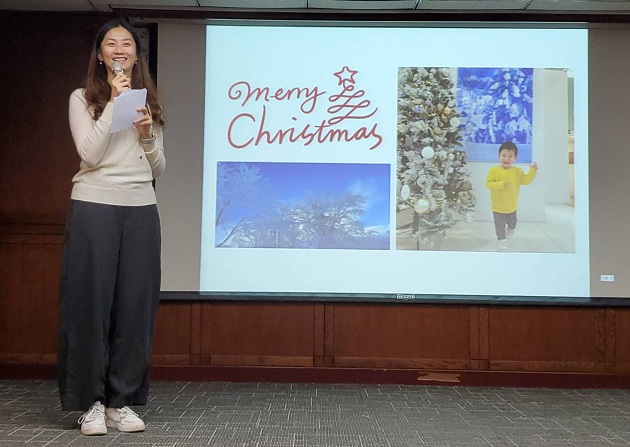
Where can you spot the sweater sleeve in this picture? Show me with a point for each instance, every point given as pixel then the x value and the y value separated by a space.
pixel 154 152
pixel 91 138
pixel 531 174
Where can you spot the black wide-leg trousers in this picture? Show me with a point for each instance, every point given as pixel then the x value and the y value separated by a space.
pixel 110 286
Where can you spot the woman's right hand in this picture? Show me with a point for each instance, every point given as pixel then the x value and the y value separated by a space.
pixel 119 83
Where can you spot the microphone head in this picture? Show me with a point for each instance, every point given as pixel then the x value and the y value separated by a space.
pixel 117 68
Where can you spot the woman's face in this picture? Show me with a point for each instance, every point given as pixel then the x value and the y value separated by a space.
pixel 118 45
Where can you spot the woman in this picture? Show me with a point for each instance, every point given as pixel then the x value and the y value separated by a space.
pixel 110 280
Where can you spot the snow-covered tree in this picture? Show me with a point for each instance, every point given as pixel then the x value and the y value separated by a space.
pixel 241 191
pixel 431 172
pixel 327 219
pixel 330 220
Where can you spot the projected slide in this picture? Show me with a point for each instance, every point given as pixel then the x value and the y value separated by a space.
pixel 344 162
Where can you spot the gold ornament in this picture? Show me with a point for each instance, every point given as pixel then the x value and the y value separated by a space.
pixel 422 206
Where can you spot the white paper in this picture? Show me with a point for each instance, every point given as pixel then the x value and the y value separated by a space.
pixel 126 108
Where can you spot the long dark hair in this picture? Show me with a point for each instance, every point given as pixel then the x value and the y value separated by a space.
pixel 98 90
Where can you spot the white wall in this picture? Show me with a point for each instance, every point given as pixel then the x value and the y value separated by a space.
pixel 181 81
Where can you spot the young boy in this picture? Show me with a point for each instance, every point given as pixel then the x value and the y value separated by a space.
pixel 504 182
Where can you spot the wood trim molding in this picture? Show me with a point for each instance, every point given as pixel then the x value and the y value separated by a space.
pixel 259 360
pixel 424 364
pixel 350 375
pixel 538 366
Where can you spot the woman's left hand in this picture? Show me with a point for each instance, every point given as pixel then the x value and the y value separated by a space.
pixel 144 124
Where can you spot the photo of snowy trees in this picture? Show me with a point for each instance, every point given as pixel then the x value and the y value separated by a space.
pixel 302 205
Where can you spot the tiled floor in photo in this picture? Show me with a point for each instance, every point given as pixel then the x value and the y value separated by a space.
pixel 555 235
pixel 316 415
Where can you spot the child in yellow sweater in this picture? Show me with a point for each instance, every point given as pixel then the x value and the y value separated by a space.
pixel 504 182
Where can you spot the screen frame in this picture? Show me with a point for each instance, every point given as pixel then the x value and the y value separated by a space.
pixel 389 298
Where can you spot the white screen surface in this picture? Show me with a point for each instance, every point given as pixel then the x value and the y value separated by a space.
pixel 289 79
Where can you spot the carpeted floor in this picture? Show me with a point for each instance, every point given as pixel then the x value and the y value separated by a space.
pixel 225 414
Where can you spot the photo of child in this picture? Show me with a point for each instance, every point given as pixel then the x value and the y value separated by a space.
pixel 452 195
pixel 504 182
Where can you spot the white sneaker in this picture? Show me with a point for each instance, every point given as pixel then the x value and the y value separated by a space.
pixel 93 421
pixel 123 419
pixel 502 245
pixel 509 232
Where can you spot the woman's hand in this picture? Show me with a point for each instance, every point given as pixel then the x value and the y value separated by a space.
pixel 119 83
pixel 144 124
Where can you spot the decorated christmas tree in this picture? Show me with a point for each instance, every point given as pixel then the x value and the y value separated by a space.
pixel 432 178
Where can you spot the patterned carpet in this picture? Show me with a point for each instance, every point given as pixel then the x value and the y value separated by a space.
pixel 225 414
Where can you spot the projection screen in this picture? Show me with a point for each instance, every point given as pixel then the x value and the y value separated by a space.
pixel 336 162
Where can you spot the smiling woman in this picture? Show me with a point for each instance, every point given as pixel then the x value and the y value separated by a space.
pixel 111 258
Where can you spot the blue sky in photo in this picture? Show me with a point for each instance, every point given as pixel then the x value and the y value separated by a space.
pixel 291 182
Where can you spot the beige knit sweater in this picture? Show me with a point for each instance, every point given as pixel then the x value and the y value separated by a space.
pixel 116 168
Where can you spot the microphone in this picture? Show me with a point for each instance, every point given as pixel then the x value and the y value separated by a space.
pixel 117 68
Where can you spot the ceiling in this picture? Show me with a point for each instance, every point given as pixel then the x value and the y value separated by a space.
pixel 166 8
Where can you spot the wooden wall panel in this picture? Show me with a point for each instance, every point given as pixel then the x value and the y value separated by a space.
pixel 260 333
pixel 319 331
pixel 48 60
pixel 543 339
pixel 478 337
pixel 622 341
pixel 373 335
pixel 329 334
pixel 29 274
pixel 176 338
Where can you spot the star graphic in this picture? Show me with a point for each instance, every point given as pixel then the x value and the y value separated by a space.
pixel 345 74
